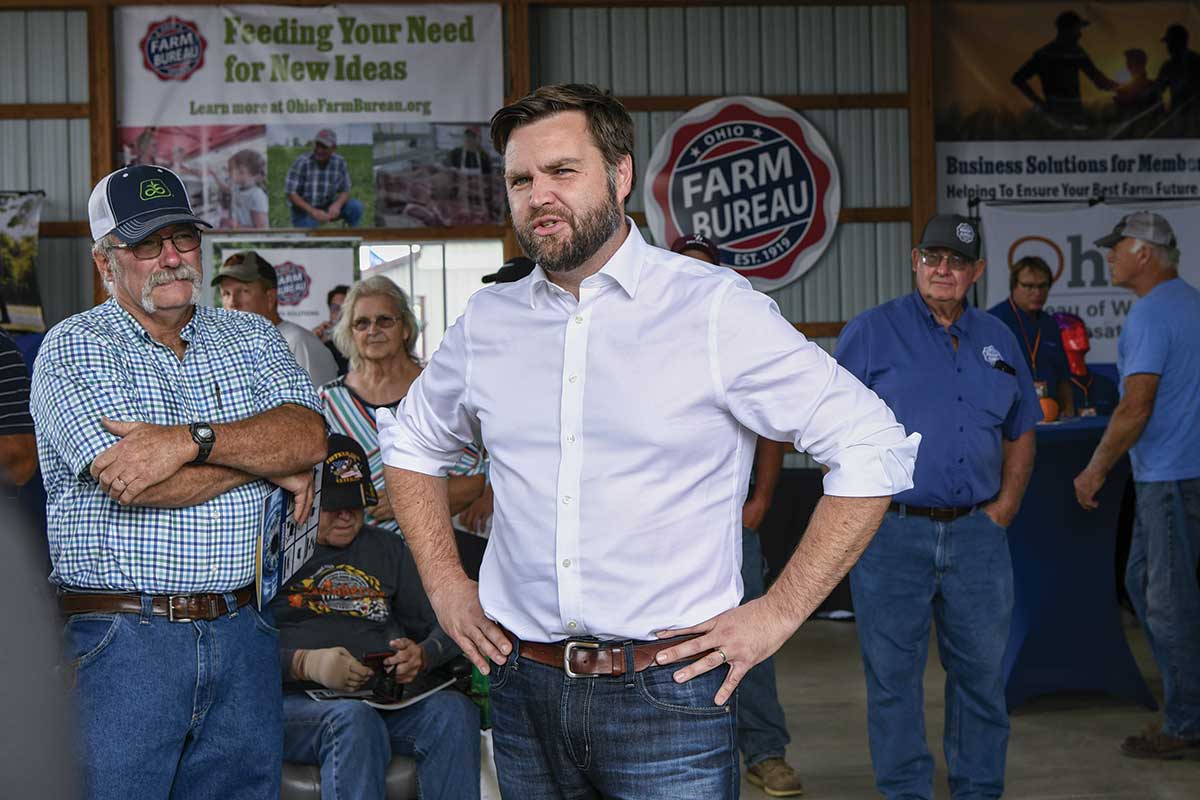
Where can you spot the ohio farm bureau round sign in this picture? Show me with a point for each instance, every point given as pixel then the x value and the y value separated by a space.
pixel 753 176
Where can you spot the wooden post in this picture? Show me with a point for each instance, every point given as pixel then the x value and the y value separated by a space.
pixel 102 110
pixel 922 149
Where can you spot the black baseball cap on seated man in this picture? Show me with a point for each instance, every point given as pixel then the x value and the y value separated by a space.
pixel 346 476
pixel 952 232
pixel 134 202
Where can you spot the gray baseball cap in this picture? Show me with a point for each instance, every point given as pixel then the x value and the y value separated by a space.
pixel 1144 225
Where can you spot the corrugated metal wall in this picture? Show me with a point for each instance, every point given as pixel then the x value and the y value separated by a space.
pixel 767 50
pixel 43 59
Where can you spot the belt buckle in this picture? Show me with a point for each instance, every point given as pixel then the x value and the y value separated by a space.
pixel 171 608
pixel 568 648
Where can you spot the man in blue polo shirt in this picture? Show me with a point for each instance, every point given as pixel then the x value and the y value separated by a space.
pixel 1036 331
pixel 955 375
pixel 1158 422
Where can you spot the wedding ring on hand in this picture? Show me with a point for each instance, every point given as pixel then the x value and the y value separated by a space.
pixel 724 658
pixel 123 484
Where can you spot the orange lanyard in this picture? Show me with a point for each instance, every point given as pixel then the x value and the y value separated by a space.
pixel 1032 348
pixel 1083 387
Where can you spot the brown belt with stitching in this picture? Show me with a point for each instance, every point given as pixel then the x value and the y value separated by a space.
pixel 175 607
pixel 580 658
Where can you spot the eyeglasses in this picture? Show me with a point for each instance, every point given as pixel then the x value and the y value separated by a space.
pixel 1034 287
pixel 954 261
pixel 150 247
pixel 383 322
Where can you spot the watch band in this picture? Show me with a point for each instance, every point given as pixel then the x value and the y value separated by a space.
pixel 204 437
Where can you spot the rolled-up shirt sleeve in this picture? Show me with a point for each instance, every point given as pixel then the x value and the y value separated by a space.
pixel 428 430
pixel 783 387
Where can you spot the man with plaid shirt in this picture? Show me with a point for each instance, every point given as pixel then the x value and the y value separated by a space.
pixel 318 186
pixel 161 427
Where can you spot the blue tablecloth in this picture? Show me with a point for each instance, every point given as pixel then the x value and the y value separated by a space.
pixel 1066 629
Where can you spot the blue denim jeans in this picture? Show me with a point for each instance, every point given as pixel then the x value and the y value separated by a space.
pixel 352 212
pixel 762 728
pixel 1161 579
pixel 176 709
pixel 958 573
pixel 640 736
pixel 353 743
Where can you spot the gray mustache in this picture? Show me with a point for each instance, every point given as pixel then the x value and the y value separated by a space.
pixel 180 273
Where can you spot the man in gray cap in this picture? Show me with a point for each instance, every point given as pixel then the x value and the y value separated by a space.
pixel 248 282
pixel 1158 423
pixel 955 375
pixel 318 186
pixel 162 426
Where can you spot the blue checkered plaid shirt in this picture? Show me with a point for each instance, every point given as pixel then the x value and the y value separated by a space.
pixel 103 363
pixel 315 183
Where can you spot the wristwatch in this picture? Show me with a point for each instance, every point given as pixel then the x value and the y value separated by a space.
pixel 204 436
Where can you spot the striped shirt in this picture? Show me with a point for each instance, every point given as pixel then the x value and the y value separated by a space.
pixel 348 413
pixel 318 184
pixel 14 397
pixel 103 363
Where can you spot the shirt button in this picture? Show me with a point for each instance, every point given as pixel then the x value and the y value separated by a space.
pixel 566 499
pixel 570 438
pixel 572 378
pixel 960 398
pixel 578 319
pixel 215 515
pixel 960 428
pixel 572 624
pixel 960 369
pixel 566 562
pixel 960 461
pixel 214 569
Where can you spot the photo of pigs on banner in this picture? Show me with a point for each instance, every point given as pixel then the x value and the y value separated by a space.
pixel 1053 133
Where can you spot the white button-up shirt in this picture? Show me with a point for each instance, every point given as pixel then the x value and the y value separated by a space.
pixel 621 429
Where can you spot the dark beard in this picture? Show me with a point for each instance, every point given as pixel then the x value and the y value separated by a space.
pixel 588 234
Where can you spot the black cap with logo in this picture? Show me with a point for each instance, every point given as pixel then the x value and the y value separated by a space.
pixel 134 202
pixel 346 476
pixel 952 232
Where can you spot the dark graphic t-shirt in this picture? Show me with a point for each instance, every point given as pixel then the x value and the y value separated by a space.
pixel 359 597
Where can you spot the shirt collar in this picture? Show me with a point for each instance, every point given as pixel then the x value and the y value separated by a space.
pixel 128 325
pixel 624 268
pixel 963 323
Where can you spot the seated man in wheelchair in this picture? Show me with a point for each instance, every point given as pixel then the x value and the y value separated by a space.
pixel 358 595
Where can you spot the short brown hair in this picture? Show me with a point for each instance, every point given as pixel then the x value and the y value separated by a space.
pixel 1029 262
pixel 607 120
pixel 250 160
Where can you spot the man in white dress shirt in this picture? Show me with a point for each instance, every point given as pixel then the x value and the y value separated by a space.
pixel 620 389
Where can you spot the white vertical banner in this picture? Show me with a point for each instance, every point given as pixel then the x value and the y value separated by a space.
pixel 1064 237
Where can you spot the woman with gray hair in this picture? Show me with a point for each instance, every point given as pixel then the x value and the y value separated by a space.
pixel 378 332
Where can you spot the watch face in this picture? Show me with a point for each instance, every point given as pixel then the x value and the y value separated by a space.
pixel 204 433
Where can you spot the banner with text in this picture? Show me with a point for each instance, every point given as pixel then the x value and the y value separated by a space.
pixel 290 117
pixel 305 268
pixel 1064 237
pixel 1066 101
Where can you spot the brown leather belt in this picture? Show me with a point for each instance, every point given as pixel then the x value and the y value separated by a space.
pixel 586 659
pixel 936 514
pixel 175 607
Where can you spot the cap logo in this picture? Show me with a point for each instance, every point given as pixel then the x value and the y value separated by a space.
pixel 345 467
pixel 966 235
pixel 153 189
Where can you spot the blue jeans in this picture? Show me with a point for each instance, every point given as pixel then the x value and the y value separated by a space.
pixel 353 744
pixel 958 573
pixel 762 728
pixel 1161 579
pixel 640 736
pixel 352 212
pixel 176 709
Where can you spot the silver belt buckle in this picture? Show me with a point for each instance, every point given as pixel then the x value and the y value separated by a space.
pixel 171 608
pixel 567 650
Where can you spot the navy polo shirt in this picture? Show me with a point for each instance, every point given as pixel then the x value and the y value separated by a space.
pixel 1052 364
pixel 959 403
